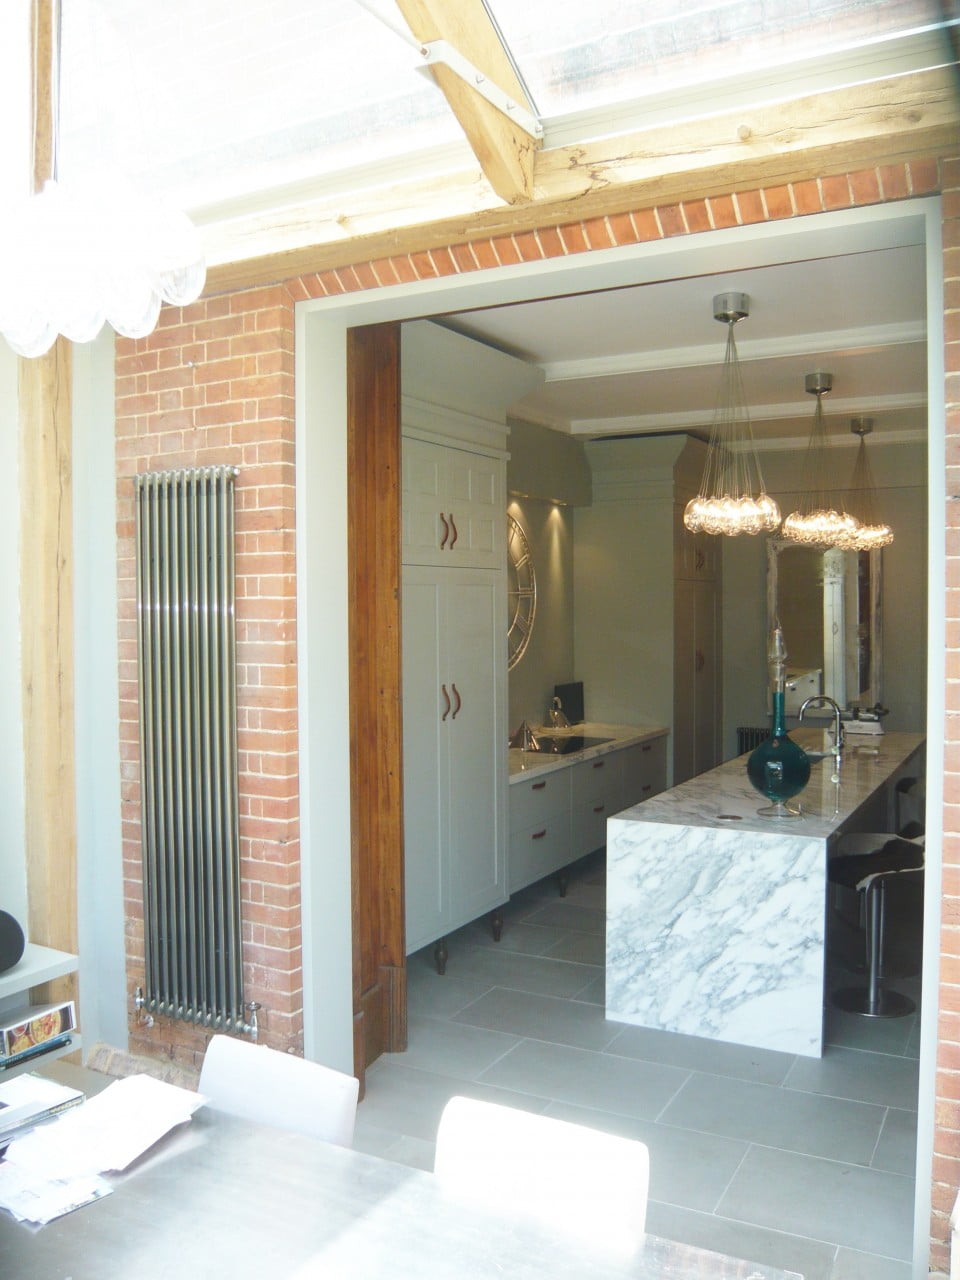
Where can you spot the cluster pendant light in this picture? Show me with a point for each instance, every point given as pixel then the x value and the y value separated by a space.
pixel 816 522
pixel 870 533
pixel 732 499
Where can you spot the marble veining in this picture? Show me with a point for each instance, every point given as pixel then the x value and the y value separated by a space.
pixel 715 915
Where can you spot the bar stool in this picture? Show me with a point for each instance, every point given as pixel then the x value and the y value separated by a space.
pixel 869 874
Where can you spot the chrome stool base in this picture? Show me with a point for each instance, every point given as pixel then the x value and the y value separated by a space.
pixel 883 1004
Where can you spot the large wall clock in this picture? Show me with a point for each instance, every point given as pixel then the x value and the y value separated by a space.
pixel 521 592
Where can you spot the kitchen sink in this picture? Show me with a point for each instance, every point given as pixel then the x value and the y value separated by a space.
pixel 563 744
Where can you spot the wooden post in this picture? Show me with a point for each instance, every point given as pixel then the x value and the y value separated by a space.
pixel 46 588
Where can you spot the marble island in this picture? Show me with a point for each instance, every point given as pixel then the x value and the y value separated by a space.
pixel 716 916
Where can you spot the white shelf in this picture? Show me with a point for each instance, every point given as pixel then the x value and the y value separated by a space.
pixel 32 1064
pixel 37 964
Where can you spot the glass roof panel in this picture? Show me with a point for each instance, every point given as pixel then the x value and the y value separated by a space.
pixel 575 55
pixel 208 99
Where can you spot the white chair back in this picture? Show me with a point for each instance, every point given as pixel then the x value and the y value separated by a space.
pixel 262 1084
pixel 576 1180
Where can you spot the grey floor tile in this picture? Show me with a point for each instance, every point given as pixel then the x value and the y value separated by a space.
pixel 897 1148
pixel 686 1168
pixel 812 1259
pixel 409 1102
pixel 881 1035
pixel 594 992
pixel 568 915
pixel 586 948
pixel 886 1079
pixel 537 1017
pixel 856 1208
pixel 867 1266
pixel 793 1121
pixel 492 967
pixel 589 1079
pixel 583 893
pixel 517 935
pixel 452 1048
pixel 697 1054
pixel 439 996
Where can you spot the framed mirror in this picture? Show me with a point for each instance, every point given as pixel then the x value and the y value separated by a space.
pixel 829 604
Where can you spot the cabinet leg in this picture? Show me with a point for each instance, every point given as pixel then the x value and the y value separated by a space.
pixel 440 956
pixel 496 924
pixel 562 882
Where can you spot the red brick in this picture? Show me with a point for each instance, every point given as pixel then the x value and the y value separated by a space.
pixel 835 191
pixel 722 211
pixel 573 237
pixel 778 202
pixel 806 196
pixel 749 206
pixel 551 246
pixel 893 181
pixel 648 228
pixel 696 215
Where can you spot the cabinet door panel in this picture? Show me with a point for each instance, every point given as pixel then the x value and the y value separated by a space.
pixel 477 749
pixel 453 507
pixel 425 765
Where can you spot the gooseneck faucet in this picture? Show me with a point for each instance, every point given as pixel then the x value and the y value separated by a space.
pixel 819 699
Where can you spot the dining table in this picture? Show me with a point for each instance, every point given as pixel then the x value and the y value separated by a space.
pixel 221 1198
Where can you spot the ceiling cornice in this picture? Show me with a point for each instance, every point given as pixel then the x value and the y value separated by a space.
pixel 871 338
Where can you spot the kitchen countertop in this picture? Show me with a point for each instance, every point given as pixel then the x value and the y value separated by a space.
pixel 526 764
pixel 724 798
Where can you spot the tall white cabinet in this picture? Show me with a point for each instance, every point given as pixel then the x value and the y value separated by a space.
pixel 454 616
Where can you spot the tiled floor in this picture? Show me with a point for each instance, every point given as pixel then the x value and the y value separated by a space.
pixel 803 1163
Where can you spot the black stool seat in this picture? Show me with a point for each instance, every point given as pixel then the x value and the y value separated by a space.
pixel 868 873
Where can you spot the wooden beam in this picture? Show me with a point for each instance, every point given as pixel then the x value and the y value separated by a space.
pixel 889 121
pixel 505 152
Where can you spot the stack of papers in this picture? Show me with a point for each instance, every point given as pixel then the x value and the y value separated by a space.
pixel 28 1099
pixel 57 1167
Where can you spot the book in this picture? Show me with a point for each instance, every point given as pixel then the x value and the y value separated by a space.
pixel 35 1051
pixel 28 1099
pixel 34 1027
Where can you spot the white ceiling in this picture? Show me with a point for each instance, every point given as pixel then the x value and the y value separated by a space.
pixel 647 359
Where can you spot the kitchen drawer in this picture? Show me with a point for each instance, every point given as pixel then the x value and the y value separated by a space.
pixel 590 822
pixel 539 850
pixel 600 776
pixel 544 797
pixel 643 771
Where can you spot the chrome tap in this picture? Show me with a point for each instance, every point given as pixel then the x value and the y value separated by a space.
pixel 838 734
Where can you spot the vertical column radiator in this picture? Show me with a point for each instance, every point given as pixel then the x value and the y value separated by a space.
pixel 188 746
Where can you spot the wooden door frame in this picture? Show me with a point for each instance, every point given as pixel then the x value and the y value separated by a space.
pixel 376 742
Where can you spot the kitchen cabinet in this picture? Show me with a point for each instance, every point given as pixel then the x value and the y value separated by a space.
pixel 453 506
pixel 559 814
pixel 696 678
pixel 453 745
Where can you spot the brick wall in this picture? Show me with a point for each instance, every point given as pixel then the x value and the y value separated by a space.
pixel 214 384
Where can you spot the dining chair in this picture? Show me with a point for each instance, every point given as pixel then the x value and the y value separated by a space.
pixel 262 1084
pixel 577 1180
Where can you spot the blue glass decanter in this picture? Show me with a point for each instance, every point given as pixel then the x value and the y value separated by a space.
pixel 778 767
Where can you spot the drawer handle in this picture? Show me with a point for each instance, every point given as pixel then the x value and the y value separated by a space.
pixel 456 694
pixel 598 764
pixel 453 540
pixel 446 698
pixel 537 786
pixel 599 808
pixel 538 835
pixel 647 787
pixel 446 531
pixel 646 748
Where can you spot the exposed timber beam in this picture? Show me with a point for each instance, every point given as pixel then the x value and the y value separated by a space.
pixel 889 121
pixel 505 151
